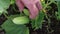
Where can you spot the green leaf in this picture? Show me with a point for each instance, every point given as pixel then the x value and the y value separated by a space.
pixel 38 21
pixel 58 5
pixel 56 0
pixel 12 1
pixel 33 23
pixel 4 4
pixel 26 12
pixel 12 28
pixel 43 3
pixel 21 20
pixel 13 16
pixel 1 11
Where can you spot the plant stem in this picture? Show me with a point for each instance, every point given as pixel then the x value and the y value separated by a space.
pixel 47 5
pixel 6 16
pixel 47 19
pixel 14 8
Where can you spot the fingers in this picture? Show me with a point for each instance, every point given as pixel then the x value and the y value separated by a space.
pixel 20 5
pixel 39 6
pixel 33 6
pixel 33 10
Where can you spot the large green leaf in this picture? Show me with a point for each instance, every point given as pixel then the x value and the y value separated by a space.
pixel 21 20
pixel 12 28
pixel 4 4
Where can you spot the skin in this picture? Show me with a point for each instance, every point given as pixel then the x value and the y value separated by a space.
pixel 33 6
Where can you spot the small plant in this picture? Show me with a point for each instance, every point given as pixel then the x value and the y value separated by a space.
pixel 27 12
